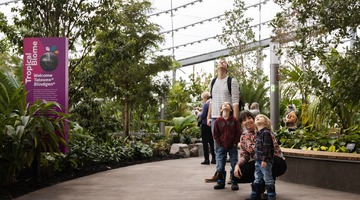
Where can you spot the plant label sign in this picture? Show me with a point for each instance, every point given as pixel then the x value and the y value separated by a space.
pixel 46 71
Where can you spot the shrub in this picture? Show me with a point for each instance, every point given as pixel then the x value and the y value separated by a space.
pixel 319 141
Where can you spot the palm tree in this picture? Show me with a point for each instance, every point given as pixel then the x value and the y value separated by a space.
pixel 295 82
pixel 25 129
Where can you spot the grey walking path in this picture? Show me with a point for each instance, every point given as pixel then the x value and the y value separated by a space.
pixel 169 180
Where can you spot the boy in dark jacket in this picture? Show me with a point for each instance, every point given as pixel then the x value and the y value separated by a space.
pixel 227 134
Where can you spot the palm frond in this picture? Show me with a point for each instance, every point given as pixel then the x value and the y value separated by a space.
pixel 12 94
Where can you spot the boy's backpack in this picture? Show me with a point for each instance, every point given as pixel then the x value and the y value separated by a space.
pixel 241 104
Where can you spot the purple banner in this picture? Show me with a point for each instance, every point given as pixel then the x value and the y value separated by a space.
pixel 46 71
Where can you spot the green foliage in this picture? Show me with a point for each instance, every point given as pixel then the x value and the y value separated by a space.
pixel 254 88
pixel 9 62
pixel 23 135
pixel 84 23
pixel 161 148
pixel 186 136
pixel 50 164
pixel 85 150
pixel 178 100
pixel 351 134
pixel 174 138
pixel 317 26
pixel 141 151
pixel 199 83
pixel 97 107
pixel 243 65
pixel 328 73
pixel 76 20
pixel 124 63
pixel 25 130
pixel 340 92
pixel 236 34
pixel 325 140
pixel 193 132
pixel 295 83
pixel 158 143
pixel 12 95
pixel 333 99
pixel 97 116
pixel 180 124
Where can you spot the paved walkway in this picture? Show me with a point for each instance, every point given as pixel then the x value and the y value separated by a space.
pixel 169 180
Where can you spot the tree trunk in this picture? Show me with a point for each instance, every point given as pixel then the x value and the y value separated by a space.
pixel 126 117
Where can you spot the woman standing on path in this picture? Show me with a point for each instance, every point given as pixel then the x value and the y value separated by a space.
pixel 206 135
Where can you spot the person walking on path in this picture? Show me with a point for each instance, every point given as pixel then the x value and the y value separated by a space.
pixel 219 94
pixel 227 133
pixel 206 134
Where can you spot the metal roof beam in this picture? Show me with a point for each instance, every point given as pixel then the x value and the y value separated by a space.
pixel 216 54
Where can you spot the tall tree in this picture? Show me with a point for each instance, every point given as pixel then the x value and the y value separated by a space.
pixel 320 36
pixel 125 63
pixel 237 34
pixel 78 20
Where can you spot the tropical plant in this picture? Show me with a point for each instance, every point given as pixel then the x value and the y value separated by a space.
pixel 317 31
pixel 237 33
pixel 178 99
pixel 25 135
pixel 309 139
pixel 254 88
pixel 244 62
pixel 12 95
pixel 125 63
pixel 199 83
pixel 25 129
pixel 97 117
pixel 8 62
pixel 74 19
pixel 180 124
pixel 295 86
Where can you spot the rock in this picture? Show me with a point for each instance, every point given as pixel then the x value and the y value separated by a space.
pixel 194 152
pixel 180 150
pixel 200 148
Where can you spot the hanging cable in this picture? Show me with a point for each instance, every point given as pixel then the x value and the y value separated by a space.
pixel 210 19
pixel 6 3
pixel 174 9
pixel 191 25
pixel 205 39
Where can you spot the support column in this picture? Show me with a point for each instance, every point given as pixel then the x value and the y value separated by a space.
pixel 162 116
pixel 353 38
pixel 274 87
